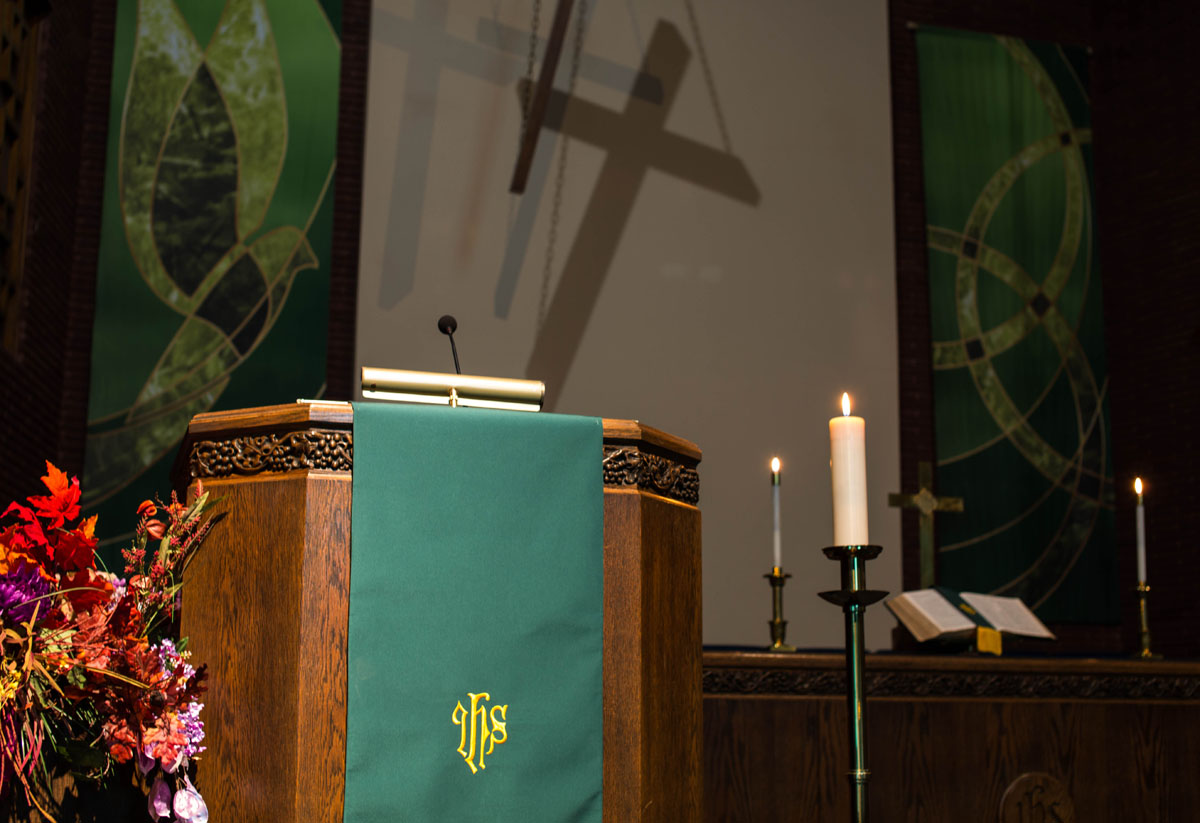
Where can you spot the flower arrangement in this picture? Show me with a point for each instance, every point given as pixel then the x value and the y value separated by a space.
pixel 91 673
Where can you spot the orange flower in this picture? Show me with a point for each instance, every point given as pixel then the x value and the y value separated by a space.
pixel 12 560
pixel 122 742
pixel 147 509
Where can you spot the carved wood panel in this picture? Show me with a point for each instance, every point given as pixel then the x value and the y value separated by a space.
pixel 333 450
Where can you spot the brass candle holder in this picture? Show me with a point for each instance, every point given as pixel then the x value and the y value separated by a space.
pixel 1144 653
pixel 854 597
pixel 777 579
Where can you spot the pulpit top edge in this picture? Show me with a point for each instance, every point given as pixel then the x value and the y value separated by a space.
pixel 341 415
pixel 334 414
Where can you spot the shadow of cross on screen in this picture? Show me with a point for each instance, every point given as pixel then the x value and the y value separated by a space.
pixel 635 141
pixel 430 49
pixel 926 503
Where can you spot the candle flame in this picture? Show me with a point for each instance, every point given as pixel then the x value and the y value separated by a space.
pixel 775 465
pixel 845 404
pixel 1137 485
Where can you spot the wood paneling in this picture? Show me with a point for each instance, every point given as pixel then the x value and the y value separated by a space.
pixel 652 631
pixel 265 606
pixel 779 750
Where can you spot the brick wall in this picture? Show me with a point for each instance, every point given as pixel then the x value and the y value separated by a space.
pixel 1148 181
pixel 45 383
pixel 347 200
pixel 1146 122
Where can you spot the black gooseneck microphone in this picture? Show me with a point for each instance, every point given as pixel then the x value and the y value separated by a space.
pixel 447 326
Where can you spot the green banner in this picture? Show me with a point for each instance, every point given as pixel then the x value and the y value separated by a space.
pixel 213 277
pixel 1020 379
pixel 476 617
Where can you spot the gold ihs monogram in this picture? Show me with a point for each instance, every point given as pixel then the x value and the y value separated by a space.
pixel 481 730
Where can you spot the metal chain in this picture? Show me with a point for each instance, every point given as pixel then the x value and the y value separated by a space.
pixel 527 87
pixel 561 172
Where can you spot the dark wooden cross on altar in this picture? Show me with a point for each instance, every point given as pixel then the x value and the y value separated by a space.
pixel 926 503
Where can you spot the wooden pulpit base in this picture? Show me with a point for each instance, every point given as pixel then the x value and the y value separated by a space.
pixel 266 605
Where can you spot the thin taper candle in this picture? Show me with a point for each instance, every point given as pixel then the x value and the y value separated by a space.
pixel 778 534
pixel 1141 531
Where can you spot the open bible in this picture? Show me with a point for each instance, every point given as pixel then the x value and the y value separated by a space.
pixel 943 614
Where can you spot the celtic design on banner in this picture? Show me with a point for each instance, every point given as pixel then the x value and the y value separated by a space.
pixel 1020 380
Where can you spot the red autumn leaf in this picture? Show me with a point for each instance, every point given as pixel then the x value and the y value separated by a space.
pixel 27 534
pixel 91 591
pixel 127 619
pixel 93 641
pixel 62 503
pixel 74 550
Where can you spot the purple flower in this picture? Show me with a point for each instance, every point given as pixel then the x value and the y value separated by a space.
pixel 18 587
pixel 160 799
pixel 189 805
pixel 172 657
pixel 193 728
pixel 119 588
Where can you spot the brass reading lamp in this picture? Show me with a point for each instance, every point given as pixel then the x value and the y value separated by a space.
pixel 452 390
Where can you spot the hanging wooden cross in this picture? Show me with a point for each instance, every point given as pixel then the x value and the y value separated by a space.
pixel 541 95
pixel 926 503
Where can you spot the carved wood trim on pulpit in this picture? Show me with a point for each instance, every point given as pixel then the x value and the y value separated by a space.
pixel 630 466
pixel 325 449
pixel 635 456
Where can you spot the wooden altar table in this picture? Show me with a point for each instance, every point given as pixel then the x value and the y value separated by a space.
pixel 953 739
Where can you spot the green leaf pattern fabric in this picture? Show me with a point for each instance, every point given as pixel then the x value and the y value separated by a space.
pixel 218 197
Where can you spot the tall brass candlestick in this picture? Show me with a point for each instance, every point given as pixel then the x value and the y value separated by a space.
pixel 1143 588
pixel 854 597
pixel 778 625
pixel 1144 653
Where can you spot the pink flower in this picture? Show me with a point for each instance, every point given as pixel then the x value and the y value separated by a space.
pixel 145 762
pixel 189 805
pixel 160 799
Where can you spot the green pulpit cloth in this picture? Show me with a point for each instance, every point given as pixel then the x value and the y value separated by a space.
pixel 476 617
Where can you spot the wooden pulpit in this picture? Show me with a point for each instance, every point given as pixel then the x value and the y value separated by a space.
pixel 266 600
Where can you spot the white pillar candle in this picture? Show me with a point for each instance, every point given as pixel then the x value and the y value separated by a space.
pixel 1141 531
pixel 778 535
pixel 848 467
